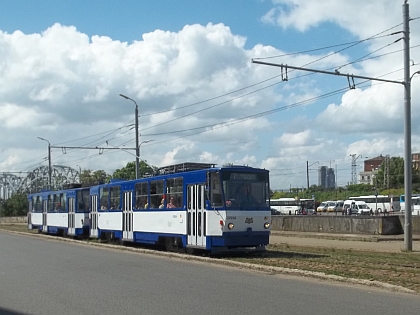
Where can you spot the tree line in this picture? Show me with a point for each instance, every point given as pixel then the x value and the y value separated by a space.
pixel 385 183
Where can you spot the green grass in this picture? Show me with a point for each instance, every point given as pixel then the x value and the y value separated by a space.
pixel 402 269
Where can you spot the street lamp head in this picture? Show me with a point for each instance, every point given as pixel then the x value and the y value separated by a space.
pixel 145 141
pixel 126 97
pixel 43 140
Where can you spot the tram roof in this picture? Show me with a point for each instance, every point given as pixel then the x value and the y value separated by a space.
pixel 184 167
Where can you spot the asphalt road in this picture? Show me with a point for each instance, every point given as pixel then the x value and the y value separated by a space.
pixel 39 276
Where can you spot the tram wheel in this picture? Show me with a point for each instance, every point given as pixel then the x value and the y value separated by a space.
pixel 169 244
pixel 189 250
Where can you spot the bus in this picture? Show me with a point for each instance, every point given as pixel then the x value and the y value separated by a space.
pixel 415 203
pixel 291 205
pixel 381 203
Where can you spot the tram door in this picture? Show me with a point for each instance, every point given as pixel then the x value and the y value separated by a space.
pixel 196 215
pixel 94 216
pixel 127 215
pixel 44 216
pixel 72 218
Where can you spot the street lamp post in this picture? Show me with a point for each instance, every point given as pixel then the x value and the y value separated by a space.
pixel 137 133
pixel 49 161
pixel 145 141
pixel 80 172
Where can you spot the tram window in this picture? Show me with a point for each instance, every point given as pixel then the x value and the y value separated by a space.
pixel 199 224
pixel 57 205
pixel 103 196
pixel 80 206
pixel 174 192
pixel 216 192
pixel 204 224
pixel 189 223
pixel 141 195
pixel 115 197
pixel 156 193
pixel 50 206
pixel 199 197
pixel 62 205
pixel 38 204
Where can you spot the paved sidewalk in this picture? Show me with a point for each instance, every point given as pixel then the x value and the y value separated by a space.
pixel 380 243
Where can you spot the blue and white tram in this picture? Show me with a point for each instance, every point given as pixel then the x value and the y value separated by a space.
pixel 190 205
pixel 63 212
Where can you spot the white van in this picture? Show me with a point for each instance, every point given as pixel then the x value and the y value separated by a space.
pixel 357 207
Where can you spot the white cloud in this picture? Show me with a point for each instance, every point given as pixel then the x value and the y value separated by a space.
pixel 63 85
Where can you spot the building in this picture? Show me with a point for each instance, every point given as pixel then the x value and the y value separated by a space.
pixel 370 169
pixel 415 157
pixel 326 177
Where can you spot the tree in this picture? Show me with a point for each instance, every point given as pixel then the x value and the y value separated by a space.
pixel 87 177
pixel 129 171
pixel 16 205
pixel 395 174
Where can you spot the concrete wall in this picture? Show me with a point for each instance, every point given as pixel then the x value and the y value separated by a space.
pixel 386 225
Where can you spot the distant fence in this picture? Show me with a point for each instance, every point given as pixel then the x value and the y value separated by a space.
pixel 14 219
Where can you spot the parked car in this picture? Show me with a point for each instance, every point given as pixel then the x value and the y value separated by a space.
pixel 339 206
pixel 356 207
pixel 323 206
pixel 331 206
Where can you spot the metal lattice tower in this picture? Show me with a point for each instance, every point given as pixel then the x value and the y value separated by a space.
pixel 354 158
pixel 37 180
pixel 386 171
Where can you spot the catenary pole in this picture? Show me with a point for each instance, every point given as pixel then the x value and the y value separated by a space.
pixel 408 239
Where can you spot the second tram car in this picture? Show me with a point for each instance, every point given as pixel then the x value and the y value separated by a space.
pixel 64 212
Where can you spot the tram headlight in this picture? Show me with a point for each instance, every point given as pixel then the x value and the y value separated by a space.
pixel 231 226
pixel 266 225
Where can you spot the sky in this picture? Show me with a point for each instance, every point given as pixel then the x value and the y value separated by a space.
pixel 188 65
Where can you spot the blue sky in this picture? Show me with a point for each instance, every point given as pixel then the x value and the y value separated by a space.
pixel 188 65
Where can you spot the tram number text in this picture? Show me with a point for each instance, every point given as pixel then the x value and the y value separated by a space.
pixel 230 218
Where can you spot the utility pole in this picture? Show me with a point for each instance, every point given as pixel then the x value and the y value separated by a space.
pixel 49 163
pixel 354 168
pixel 307 171
pixel 136 113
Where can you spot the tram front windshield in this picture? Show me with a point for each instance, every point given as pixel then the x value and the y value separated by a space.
pixel 245 190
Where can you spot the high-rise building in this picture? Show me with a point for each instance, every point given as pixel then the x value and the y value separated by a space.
pixel 326 177
pixel 322 176
pixel 330 178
